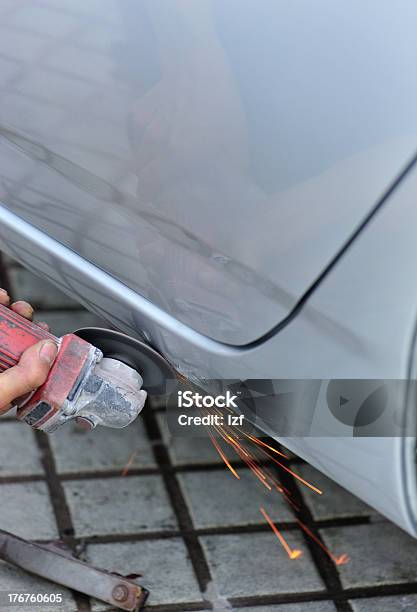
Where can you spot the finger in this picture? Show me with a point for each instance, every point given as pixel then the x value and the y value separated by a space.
pixel 42 325
pixel 30 373
pixel 4 297
pixel 23 309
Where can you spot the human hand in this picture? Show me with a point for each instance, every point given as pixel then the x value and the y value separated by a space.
pixel 34 365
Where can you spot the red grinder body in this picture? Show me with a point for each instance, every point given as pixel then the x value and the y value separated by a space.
pixel 75 355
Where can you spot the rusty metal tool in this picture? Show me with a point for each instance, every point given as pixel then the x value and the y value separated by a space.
pixel 58 565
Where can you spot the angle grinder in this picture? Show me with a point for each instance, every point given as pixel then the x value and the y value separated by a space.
pixel 96 378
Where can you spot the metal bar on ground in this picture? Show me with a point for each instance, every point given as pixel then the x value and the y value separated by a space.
pixel 59 566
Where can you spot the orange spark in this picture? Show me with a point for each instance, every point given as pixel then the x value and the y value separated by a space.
pixel 249 462
pixel 230 436
pixel 235 443
pixel 305 482
pixel 128 465
pixel 284 467
pixel 257 441
pixel 252 464
pixel 222 455
pixel 341 560
pixel 287 498
pixel 293 553
pixel 258 473
pixel 226 437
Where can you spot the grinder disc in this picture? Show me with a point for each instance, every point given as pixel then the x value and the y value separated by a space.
pixel 153 368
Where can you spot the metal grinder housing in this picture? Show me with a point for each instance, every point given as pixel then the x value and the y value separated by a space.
pixel 82 383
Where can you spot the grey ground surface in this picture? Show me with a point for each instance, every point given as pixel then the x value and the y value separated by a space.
pixel 180 519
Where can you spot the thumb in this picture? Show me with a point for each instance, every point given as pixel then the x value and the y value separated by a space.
pixel 30 373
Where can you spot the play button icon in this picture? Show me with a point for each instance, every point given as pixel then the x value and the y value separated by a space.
pixel 357 403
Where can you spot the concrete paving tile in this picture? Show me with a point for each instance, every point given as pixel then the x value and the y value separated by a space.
pixel 135 504
pixel 19 454
pixel 76 450
pixel 379 553
pixel 335 502
pixel 256 564
pixel 39 292
pixel 399 603
pixel 184 450
pixel 14 580
pixel 164 564
pixel 219 499
pixel 316 606
pixel 68 321
pixel 26 511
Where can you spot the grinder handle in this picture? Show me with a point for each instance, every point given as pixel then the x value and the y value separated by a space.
pixel 16 335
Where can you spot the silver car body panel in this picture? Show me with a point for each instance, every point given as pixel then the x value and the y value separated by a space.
pixel 192 185
pixel 214 166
